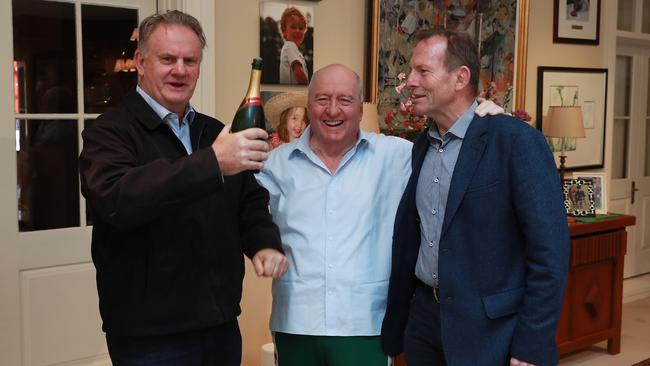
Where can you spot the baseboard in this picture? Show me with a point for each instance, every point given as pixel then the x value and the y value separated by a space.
pixel 636 288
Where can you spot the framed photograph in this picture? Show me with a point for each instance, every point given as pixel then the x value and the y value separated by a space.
pixel 571 86
pixel 579 197
pixel 599 181
pixel 500 28
pixel 576 21
pixel 286 43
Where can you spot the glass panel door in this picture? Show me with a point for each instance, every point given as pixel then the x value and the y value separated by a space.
pixel 51 104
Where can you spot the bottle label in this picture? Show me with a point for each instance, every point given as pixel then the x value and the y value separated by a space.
pixel 250 102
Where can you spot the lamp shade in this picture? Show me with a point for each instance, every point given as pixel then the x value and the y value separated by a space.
pixel 370 118
pixel 564 122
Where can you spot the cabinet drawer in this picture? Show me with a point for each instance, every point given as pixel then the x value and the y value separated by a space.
pixel 595 248
pixel 591 299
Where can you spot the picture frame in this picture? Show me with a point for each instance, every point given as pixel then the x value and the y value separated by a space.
pixel 599 181
pixel 576 21
pixel 272 44
pixel 588 89
pixel 578 197
pixel 388 48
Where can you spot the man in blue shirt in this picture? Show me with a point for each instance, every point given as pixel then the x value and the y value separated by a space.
pixel 333 194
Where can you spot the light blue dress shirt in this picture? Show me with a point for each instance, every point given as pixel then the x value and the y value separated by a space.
pixel 336 232
pixel 180 129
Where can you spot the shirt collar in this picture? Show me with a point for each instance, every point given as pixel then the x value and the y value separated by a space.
pixel 459 128
pixel 163 112
pixel 302 143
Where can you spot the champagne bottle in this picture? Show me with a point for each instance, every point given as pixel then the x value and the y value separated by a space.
pixel 250 113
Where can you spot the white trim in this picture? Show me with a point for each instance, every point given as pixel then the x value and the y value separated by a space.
pixel 636 288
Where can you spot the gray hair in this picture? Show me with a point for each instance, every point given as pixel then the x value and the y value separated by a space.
pixel 149 24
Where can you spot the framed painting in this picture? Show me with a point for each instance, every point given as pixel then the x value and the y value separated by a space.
pixel 572 86
pixel 499 27
pixel 576 21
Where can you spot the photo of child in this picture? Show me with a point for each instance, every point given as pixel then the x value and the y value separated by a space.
pixel 287 114
pixel 286 43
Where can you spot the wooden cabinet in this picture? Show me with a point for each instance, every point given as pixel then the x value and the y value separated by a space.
pixel 593 297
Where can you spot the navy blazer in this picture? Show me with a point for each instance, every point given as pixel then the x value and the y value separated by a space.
pixel 503 251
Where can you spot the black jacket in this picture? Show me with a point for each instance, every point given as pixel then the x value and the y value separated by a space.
pixel 168 232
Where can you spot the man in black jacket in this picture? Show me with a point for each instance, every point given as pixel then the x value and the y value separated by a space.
pixel 174 205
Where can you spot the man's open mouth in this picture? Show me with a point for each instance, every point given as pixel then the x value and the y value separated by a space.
pixel 333 123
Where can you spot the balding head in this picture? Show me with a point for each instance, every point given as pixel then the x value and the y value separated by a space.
pixel 339 69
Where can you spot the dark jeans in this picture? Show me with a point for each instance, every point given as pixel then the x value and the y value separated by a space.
pixel 218 346
pixel 422 344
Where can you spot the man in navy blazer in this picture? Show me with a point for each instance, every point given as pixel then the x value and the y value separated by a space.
pixel 481 243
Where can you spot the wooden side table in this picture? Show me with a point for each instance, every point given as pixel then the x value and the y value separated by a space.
pixel 594 293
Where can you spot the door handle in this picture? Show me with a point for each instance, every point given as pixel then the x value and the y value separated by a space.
pixel 634 190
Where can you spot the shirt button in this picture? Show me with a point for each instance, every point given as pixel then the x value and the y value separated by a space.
pixel 431 244
pixel 436 180
pixel 434 211
pixel 440 150
pixel 329 292
pixel 330 266
pixel 434 276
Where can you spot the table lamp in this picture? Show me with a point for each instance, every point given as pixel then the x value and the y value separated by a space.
pixel 563 122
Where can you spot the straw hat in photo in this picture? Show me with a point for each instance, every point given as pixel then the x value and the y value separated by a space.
pixel 278 103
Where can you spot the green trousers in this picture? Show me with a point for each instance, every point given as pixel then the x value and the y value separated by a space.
pixel 302 350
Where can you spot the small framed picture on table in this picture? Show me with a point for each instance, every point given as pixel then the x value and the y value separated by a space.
pixel 599 181
pixel 579 197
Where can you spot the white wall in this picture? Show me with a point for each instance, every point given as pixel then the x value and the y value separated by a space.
pixel 543 52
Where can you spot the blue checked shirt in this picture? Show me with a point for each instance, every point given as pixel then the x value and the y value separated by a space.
pixel 433 189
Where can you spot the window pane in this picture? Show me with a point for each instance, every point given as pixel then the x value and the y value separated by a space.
pixel 626 15
pixel 46 54
pixel 622 88
pixel 48 183
pixel 645 22
pixel 619 147
pixel 108 50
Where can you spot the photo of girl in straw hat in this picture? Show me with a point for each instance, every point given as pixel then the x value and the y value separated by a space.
pixel 287 113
